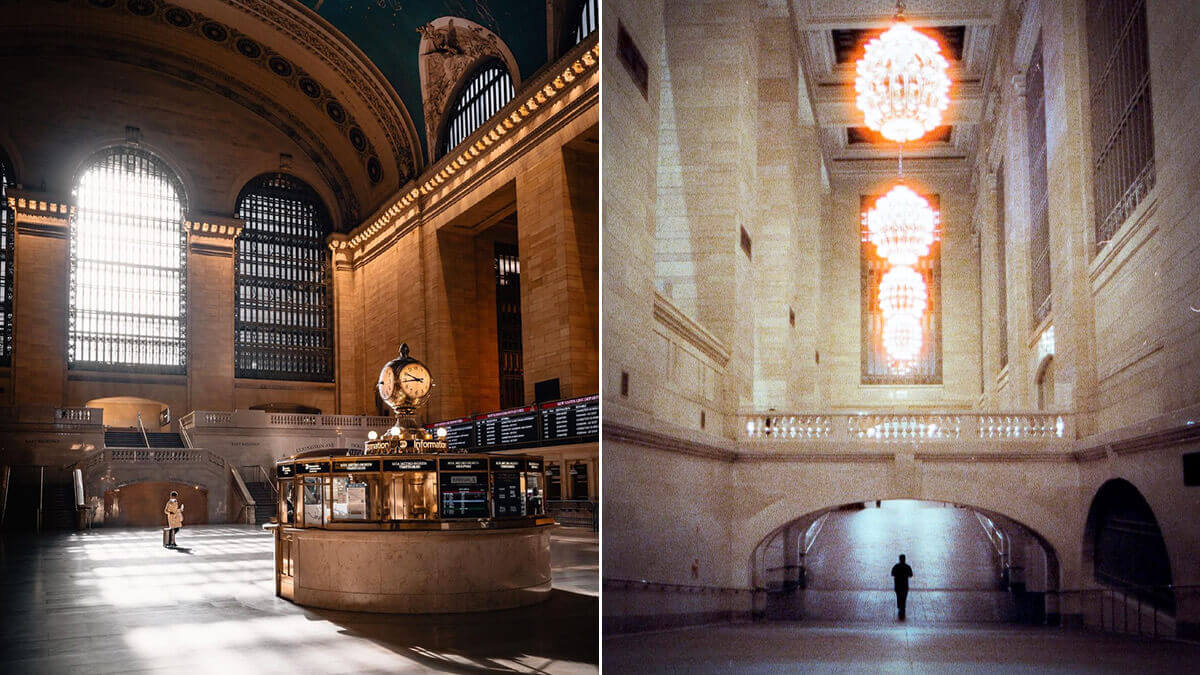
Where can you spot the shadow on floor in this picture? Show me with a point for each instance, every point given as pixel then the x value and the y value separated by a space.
pixel 562 629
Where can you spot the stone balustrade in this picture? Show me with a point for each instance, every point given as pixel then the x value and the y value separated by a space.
pixel 32 414
pixel 907 427
pixel 260 419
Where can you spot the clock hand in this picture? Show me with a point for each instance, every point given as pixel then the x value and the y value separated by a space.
pixel 410 378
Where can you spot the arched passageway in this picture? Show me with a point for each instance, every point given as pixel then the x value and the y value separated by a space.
pixel 1123 547
pixel 969 565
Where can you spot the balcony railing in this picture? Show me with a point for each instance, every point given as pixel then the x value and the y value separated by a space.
pixel 259 418
pixel 906 427
pixel 151 455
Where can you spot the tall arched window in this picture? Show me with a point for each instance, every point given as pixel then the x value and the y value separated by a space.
pixel 283 329
pixel 588 20
pixel 488 90
pixel 7 237
pixel 128 265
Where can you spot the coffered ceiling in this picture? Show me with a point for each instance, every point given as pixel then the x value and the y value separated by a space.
pixel 831 36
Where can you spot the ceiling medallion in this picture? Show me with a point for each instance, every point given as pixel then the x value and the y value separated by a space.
pixel 901 82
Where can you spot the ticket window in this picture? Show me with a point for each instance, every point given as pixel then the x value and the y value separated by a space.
pixel 535 504
pixel 287 502
pixel 578 474
pixel 414 496
pixel 316 507
pixel 553 481
pixel 353 496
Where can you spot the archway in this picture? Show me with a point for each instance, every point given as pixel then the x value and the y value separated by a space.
pixel 971 565
pixel 123 411
pixel 1124 547
pixel 1045 384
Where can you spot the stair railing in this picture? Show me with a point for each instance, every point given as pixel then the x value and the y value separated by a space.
pixel 187 440
pixel 258 472
pixel 143 429
pixel 244 491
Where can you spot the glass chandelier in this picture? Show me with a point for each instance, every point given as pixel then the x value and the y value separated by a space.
pixel 902 340
pixel 902 291
pixel 901 82
pixel 902 226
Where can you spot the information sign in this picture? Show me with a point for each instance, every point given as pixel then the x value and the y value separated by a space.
pixel 409 465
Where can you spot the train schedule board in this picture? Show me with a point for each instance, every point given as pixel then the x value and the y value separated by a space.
pixel 514 428
pixel 575 420
pixel 508 497
pixel 460 433
pixel 464 495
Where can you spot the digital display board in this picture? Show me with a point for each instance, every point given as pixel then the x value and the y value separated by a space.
pixel 357 466
pixel 506 491
pixel 460 433
pixel 576 419
pixel 509 428
pixel 464 495
pixel 312 467
pixel 285 470
pixel 463 464
pixel 409 465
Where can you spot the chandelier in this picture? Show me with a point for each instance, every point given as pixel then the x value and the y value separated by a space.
pixel 901 82
pixel 902 291
pixel 902 340
pixel 902 226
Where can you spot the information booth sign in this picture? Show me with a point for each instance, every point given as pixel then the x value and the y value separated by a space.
pixel 515 428
pixel 463 486
pixel 285 471
pixel 535 503
pixel 571 421
pixel 309 468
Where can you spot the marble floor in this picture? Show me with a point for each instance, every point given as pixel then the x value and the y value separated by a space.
pixel 866 648
pixel 116 601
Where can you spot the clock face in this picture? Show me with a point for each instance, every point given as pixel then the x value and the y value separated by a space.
pixel 387 383
pixel 414 381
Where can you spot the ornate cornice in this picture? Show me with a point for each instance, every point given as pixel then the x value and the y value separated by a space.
pixel 41 217
pixel 682 325
pixel 615 432
pixel 402 211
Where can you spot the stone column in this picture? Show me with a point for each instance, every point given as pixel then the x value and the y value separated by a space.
pixel 40 303
pixel 1067 150
pixel 353 395
pixel 990 239
pixel 1019 392
pixel 558 240
pixel 210 311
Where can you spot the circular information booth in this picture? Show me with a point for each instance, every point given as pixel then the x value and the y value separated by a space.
pixel 412 533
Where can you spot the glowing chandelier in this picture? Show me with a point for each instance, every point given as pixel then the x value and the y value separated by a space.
pixel 902 226
pixel 902 340
pixel 901 82
pixel 902 291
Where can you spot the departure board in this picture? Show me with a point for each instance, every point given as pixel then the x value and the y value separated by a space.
pixel 460 433
pixel 576 419
pixel 508 428
pixel 464 495
pixel 409 465
pixel 506 492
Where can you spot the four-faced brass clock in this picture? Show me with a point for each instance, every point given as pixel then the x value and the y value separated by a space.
pixel 404 382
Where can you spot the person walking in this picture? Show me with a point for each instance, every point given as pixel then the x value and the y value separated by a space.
pixel 174 511
pixel 901 572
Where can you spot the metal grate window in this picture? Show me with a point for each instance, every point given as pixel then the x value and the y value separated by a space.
pixel 589 20
pixel 1039 216
pixel 508 325
pixel 1122 124
pixel 283 327
pixel 1002 263
pixel 489 90
pixel 7 240
pixel 875 366
pixel 128 265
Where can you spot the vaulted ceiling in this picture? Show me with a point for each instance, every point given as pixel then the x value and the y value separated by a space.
pixel 832 34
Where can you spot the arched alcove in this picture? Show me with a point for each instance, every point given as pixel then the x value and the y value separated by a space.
pixel 122 411
pixel 1124 547
pixel 1045 384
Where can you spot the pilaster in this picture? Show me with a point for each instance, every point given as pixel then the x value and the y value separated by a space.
pixel 211 307
pixel 40 300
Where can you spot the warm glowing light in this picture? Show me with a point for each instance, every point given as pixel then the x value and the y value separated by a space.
pixel 902 291
pixel 902 226
pixel 901 83
pixel 441 432
pixel 372 435
pixel 394 431
pixel 902 340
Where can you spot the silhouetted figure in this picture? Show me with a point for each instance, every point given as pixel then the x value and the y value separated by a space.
pixel 902 573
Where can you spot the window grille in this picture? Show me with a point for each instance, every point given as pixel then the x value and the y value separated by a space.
pixel 7 241
pixel 128 266
pixel 875 366
pixel 1002 263
pixel 508 325
pixel 589 20
pixel 489 90
pixel 1039 216
pixel 283 326
pixel 1122 124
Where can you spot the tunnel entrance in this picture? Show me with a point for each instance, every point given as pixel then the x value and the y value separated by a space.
pixel 968 565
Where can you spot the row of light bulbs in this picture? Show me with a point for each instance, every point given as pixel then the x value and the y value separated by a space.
pixel 902 90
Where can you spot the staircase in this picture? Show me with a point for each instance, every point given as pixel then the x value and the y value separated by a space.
pixel 57 498
pixel 264 501
pixel 132 438
pixel 58 507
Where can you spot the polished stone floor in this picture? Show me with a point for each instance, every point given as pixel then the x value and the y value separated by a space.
pixel 885 648
pixel 115 601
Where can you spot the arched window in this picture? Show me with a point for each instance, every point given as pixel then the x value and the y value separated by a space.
pixel 283 328
pixel 487 91
pixel 589 20
pixel 128 261
pixel 7 239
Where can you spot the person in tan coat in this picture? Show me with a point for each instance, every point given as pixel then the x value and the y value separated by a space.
pixel 174 511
